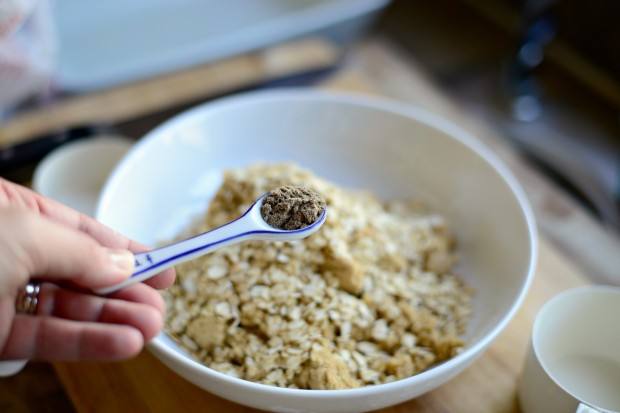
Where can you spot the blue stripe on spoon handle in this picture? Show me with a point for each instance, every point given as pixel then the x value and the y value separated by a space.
pixel 249 226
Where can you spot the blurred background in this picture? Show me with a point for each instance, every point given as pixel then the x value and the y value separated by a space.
pixel 545 73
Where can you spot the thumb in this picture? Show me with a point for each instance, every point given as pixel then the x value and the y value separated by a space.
pixel 45 249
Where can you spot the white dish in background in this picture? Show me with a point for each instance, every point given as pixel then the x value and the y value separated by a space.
pixel 355 141
pixel 573 358
pixel 105 43
pixel 74 173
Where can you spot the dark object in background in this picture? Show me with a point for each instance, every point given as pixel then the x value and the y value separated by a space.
pixel 22 154
pixel 537 29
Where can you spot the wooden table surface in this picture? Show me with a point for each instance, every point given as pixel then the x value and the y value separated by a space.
pixel 574 248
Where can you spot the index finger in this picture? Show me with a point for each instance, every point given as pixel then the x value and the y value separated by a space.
pixel 12 194
pixel 20 197
pixel 105 235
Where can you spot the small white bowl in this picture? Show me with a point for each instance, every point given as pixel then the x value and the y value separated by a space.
pixel 74 173
pixel 356 141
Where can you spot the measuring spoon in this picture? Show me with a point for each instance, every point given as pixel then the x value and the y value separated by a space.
pixel 250 225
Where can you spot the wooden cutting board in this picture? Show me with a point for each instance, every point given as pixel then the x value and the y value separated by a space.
pixel 489 385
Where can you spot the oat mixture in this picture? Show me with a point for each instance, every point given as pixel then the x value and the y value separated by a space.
pixel 369 298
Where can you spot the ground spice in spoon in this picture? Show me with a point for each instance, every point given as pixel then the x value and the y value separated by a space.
pixel 291 207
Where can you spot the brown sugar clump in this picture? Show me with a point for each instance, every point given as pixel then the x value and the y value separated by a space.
pixel 291 208
pixel 325 371
pixel 349 272
pixel 208 331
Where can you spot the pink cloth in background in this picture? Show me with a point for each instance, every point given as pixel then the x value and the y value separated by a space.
pixel 27 50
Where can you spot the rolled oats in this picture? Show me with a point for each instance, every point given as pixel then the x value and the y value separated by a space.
pixel 370 298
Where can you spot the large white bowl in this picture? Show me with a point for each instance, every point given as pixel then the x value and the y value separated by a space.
pixel 355 141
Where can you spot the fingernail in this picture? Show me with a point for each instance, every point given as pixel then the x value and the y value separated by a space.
pixel 123 259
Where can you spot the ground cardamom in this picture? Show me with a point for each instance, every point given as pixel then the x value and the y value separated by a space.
pixel 291 207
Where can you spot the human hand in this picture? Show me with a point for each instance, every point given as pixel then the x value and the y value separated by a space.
pixel 72 254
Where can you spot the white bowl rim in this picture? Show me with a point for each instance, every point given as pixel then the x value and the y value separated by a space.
pixel 384 104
